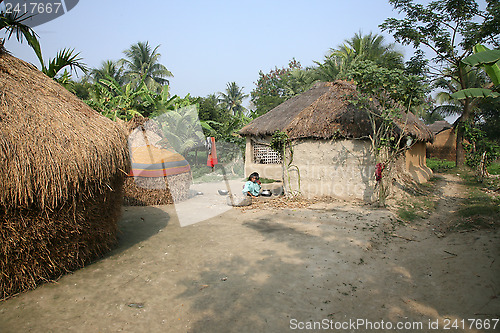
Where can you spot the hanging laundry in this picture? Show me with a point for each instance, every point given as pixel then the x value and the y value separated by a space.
pixel 212 152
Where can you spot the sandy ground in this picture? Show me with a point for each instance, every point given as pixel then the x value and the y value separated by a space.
pixel 275 270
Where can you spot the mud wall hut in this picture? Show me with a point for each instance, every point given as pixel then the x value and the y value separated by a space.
pixel 330 146
pixel 63 167
pixel 159 175
pixel 445 141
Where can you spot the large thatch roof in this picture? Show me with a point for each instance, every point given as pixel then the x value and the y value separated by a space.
pixel 52 145
pixel 323 112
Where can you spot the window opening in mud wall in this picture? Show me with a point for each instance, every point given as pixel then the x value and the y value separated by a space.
pixel 263 154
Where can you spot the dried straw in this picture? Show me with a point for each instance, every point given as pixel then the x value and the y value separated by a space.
pixel 324 112
pixel 61 184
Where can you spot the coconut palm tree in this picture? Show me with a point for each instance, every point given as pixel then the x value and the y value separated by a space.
pixel 142 61
pixel 369 47
pixel 232 99
pixel 449 106
pixel 108 69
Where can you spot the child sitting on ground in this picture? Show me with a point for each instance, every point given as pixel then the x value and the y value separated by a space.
pixel 252 186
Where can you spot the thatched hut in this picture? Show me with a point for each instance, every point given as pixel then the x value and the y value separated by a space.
pixel 159 175
pixel 63 166
pixel 445 139
pixel 330 143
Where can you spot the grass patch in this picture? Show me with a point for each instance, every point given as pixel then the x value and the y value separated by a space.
pixel 416 208
pixel 481 208
pixel 419 203
pixel 437 165
pixel 494 169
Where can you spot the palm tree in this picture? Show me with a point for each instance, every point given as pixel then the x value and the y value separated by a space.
pixel 13 24
pixel 232 99
pixel 449 106
pixel 108 69
pixel 141 61
pixel 181 129
pixel 369 47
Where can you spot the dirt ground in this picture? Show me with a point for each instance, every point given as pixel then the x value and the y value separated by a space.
pixel 276 270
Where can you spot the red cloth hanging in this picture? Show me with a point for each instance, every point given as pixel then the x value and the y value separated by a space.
pixel 212 154
pixel 378 171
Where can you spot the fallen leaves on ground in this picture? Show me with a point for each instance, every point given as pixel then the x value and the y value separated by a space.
pixel 278 203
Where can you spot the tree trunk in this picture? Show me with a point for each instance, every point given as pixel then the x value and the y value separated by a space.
pixel 460 158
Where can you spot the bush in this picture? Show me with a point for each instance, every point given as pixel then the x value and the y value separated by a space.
pixel 437 165
pixel 494 169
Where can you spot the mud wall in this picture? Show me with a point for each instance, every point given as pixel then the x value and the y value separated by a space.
pixel 342 169
pixel 444 146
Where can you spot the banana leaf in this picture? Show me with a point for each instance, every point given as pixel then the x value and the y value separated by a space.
pixel 474 92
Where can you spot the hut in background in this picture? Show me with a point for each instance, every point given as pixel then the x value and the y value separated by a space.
pixel 63 166
pixel 159 175
pixel 330 143
pixel 444 145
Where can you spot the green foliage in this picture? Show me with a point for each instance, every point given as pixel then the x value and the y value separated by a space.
pixel 115 101
pixel 181 128
pixel 109 68
pixel 141 64
pixel 209 108
pixel 474 93
pixel 383 93
pixel 487 59
pixel 450 29
pixel 479 148
pixel 442 25
pixel 371 47
pixel 359 48
pixel 430 116
pixel 277 86
pixel 418 207
pixel 64 58
pixel 494 169
pixel 279 142
pixel 480 209
pixel 388 85
pixel 438 165
pixel 12 23
pixel 232 100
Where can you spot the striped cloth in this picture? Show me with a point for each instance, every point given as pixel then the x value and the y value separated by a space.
pixel 149 161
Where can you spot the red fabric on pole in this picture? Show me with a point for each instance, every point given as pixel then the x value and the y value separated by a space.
pixel 212 156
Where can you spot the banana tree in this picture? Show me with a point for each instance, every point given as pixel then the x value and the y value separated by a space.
pixel 115 101
pixel 489 61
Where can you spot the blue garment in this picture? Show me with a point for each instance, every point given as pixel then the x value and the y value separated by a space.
pixel 251 187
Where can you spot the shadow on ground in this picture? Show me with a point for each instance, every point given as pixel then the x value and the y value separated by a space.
pixel 137 224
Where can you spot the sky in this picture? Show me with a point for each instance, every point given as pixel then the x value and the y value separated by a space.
pixel 207 44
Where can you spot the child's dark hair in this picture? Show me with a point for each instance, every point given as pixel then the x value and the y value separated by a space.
pixel 255 174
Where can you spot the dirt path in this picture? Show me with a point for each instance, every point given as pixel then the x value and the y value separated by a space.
pixel 273 270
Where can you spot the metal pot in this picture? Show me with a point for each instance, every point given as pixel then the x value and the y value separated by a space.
pixel 266 193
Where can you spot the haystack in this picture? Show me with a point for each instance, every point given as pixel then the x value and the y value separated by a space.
pixel 159 175
pixel 331 147
pixel 63 166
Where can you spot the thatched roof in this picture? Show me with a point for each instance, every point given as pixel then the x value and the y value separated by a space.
pixel 52 145
pixel 439 126
pixel 323 112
